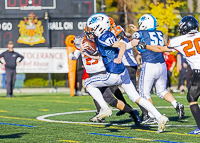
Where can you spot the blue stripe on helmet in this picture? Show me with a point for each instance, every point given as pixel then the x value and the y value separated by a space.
pixel 154 19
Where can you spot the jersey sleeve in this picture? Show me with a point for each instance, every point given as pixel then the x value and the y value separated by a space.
pixel 76 54
pixel 107 40
pixel 136 35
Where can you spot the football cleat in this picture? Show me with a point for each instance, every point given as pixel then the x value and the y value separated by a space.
pixel 180 110
pixel 135 117
pixel 162 121
pixel 195 132
pixel 94 119
pixel 104 112
pixel 144 118
pixel 151 121
pixel 120 113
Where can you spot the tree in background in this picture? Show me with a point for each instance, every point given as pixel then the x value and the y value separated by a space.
pixel 168 17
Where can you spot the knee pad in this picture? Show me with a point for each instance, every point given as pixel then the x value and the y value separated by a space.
pixel 113 103
pixel 193 93
pixel 161 94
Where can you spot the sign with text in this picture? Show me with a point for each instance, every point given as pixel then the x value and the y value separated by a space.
pixel 41 61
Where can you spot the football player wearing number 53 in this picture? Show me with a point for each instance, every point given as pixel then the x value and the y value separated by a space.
pixel 188 45
pixel 154 69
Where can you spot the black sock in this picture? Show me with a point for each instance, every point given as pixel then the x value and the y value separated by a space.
pixel 196 113
pixel 127 109
pixel 97 105
pixel 144 111
pixel 118 94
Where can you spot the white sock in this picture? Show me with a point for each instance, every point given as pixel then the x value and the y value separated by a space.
pixel 174 103
pixel 149 106
pixel 151 115
pixel 96 94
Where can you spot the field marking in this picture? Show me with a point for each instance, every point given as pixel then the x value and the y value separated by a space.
pixel 97 125
pixel 43 118
pixel 3 111
pixel 17 118
pixel 69 141
pixel 135 138
pixel 43 109
pixel 16 125
pixel 56 101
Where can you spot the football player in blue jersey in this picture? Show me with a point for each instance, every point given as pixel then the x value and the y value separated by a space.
pixel 188 45
pixel 112 52
pixel 154 70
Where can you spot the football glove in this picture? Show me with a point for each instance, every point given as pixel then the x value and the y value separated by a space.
pixel 141 46
pixel 71 56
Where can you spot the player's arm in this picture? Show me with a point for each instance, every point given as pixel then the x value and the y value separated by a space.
pixel 96 57
pixel 74 55
pixel 84 46
pixel 154 48
pixel 122 48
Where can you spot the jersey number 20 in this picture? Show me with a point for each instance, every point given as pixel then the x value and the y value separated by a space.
pixel 190 45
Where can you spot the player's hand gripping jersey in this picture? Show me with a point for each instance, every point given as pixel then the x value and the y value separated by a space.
pixel 189 46
pixel 108 53
pixel 150 37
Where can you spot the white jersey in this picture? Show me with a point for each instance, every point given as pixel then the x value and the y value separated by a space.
pixel 189 46
pixel 91 65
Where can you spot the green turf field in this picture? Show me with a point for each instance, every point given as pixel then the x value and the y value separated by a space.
pixel 19 123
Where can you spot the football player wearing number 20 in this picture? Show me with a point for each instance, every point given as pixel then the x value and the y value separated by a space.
pixel 112 52
pixel 188 45
pixel 154 69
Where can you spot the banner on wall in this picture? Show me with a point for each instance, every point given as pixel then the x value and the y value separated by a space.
pixel 40 61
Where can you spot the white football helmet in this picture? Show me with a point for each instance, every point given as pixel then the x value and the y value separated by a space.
pixel 99 23
pixel 147 22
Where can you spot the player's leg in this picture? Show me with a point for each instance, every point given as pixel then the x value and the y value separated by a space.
pixel 112 101
pixel 192 97
pixel 163 93
pixel 169 73
pixel 147 77
pixel 188 75
pixel 13 78
pixel 8 83
pixel 130 90
pixel 132 73
pixel 100 80
pixel 182 80
pixel 91 84
pixel 117 93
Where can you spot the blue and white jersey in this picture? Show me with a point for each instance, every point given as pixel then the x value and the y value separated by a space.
pixel 128 58
pixel 109 53
pixel 150 37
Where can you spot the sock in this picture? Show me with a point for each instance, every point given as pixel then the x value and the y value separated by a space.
pixel 196 113
pixel 97 105
pixel 151 115
pixel 149 106
pixel 118 94
pixel 96 94
pixel 144 111
pixel 174 103
pixel 127 109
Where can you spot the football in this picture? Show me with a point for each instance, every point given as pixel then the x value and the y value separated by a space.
pixel 91 48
